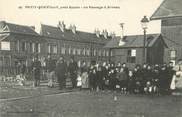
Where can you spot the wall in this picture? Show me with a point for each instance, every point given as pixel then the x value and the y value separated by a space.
pixel 120 55
pixel 171 29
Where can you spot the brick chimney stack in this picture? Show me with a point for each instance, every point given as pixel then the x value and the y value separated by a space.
pixel 61 26
pixel 73 28
pixel 32 27
pixel 105 34
pixel 113 35
pixel 97 32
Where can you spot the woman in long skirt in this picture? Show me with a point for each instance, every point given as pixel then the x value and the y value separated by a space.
pixel 84 76
pixel 178 77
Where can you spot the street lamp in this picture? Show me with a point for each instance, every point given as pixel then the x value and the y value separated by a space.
pixel 144 23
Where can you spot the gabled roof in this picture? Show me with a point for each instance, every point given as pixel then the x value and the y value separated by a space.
pixel 55 32
pixel 168 8
pixel 133 41
pixel 8 36
pixel 6 27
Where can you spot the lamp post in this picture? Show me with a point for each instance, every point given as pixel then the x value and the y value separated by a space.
pixel 144 23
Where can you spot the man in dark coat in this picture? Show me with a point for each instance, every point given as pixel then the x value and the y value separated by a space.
pixel 163 79
pixel 61 69
pixel 72 69
pixel 125 69
pixel 92 77
pixel 99 78
pixel 36 69
pixel 144 77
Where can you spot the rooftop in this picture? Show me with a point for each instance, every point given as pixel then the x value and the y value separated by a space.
pixel 6 27
pixel 168 9
pixel 67 34
pixel 133 41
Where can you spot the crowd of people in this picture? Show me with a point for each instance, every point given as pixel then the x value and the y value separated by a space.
pixel 144 79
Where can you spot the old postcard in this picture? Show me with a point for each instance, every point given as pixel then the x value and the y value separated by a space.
pixel 90 58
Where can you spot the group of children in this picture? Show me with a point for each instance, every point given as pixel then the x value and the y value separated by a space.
pixel 146 79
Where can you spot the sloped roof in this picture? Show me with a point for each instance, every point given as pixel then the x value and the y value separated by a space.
pixel 170 42
pixel 55 32
pixel 133 41
pixel 3 36
pixel 168 8
pixel 15 28
pixel 8 36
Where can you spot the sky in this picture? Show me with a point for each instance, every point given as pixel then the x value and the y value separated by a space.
pixel 129 12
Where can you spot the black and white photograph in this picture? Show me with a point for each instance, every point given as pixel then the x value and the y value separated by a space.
pixel 90 58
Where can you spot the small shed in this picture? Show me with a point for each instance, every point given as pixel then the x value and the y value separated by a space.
pixel 129 49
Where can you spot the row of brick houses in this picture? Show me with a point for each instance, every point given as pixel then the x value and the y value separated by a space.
pixel 22 43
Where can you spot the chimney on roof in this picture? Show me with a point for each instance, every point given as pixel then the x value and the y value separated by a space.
pixel 3 24
pixel 32 27
pixel 105 33
pixel 61 26
pixel 73 28
pixel 97 32
pixel 113 35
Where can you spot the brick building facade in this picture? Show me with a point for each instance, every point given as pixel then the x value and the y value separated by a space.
pixel 19 43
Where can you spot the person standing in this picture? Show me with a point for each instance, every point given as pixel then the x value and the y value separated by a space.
pixel 163 79
pixel 99 78
pixel 178 78
pixel 50 67
pixel 92 76
pixel 84 76
pixel 61 70
pixel 171 73
pixel 36 69
pixel 122 78
pixel 72 69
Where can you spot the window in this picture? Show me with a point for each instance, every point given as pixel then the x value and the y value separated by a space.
pixel 23 46
pixel 83 51
pixel 49 48
pixel 54 49
pixel 173 54
pixel 63 50
pixel 16 46
pixel 74 51
pixel 131 56
pixel 100 53
pixel 107 53
pixel 78 51
pixel 95 52
pixel 88 52
pixel 37 47
pixel 69 50
pixel 30 47
pixel 103 53
pixel 5 45
pixel 111 52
